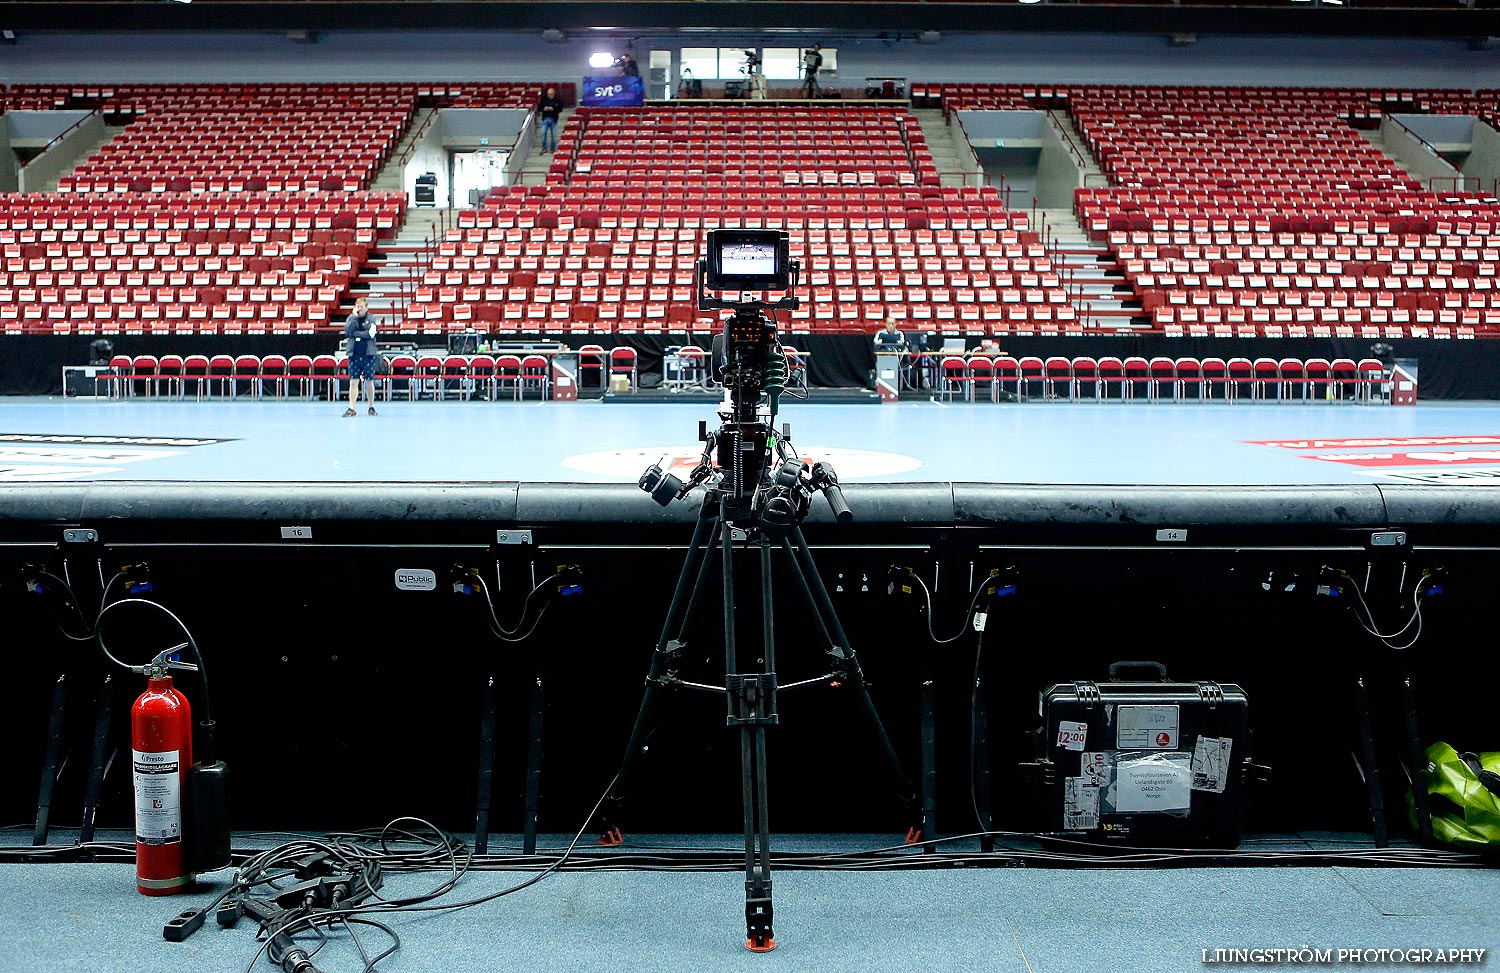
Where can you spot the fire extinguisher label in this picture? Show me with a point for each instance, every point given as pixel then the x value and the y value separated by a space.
pixel 158 798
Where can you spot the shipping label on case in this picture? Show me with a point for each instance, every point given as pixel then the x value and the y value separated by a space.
pixel 1080 804
pixel 1211 763
pixel 1070 735
pixel 158 797
pixel 1153 782
pixel 1146 727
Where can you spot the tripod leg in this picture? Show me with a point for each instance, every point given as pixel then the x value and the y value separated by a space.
pixel 929 756
pixel 980 748
pixel 690 583
pixel 534 765
pixel 486 769
pixel 1371 766
pixel 98 759
pixel 49 765
pixel 812 586
pixel 1418 757
pixel 752 705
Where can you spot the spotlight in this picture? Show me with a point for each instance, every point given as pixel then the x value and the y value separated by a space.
pixel 1030 1
pixel 601 59
pixel 929 37
pixel 553 36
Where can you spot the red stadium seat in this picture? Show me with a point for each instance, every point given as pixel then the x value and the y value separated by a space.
pixel 622 361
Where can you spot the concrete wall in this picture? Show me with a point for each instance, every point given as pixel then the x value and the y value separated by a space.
pixel 1447 133
pixel 523 56
pixel 1484 160
pixel 1058 173
pixel 475 128
pixel 1419 160
pixel 1005 129
pixel 10 174
pixel 34 129
pixel 61 158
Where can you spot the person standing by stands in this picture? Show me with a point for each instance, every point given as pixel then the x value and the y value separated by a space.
pixel 812 60
pixel 359 333
pixel 628 67
pixel 549 109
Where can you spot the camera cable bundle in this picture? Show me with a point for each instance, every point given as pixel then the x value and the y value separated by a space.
pixel 1429 583
pixel 565 582
pixel 998 583
pixel 301 891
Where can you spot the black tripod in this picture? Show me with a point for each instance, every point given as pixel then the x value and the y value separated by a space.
pixel 751 695
pixel 756 489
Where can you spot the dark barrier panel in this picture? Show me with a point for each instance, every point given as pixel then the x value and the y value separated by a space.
pixel 345 699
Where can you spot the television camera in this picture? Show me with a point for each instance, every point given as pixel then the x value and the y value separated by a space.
pixel 755 470
pixel 757 491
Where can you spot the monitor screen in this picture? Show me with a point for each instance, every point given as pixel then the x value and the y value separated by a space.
pixel 748 259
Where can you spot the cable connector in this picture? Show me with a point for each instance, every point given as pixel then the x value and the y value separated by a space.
pixel 1004 582
pixel 465 580
pixel 229 914
pixel 183 926
pixel 1331 581
pixel 900 580
pixel 569 580
pixel 1432 582
pixel 34 575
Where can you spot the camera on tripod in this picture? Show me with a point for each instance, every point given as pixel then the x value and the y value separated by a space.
pixel 759 479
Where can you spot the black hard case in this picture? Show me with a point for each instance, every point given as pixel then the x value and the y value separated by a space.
pixel 1211 709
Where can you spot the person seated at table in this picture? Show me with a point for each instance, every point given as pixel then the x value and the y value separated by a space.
pixel 889 338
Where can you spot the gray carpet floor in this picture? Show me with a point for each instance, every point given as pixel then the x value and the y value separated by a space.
pixel 87 917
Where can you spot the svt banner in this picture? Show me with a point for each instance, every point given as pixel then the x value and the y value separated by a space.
pixel 624 91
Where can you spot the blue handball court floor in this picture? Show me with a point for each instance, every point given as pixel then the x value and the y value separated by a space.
pixel 87 917
pixel 53 439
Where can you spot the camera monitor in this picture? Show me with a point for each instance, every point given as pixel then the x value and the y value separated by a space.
pixel 748 260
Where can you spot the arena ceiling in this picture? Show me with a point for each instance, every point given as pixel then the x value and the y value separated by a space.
pixel 1286 17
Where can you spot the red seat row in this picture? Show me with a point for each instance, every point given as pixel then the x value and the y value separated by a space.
pixel 306 376
pixel 1028 377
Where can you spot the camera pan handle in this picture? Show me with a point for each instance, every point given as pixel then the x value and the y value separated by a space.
pixel 841 511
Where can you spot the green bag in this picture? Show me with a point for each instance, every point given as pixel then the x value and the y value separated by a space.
pixel 1464 796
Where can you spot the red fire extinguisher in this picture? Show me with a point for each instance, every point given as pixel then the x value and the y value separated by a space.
pixel 161 736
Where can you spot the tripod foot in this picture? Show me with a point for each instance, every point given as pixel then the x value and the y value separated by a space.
pixel 914 835
pixel 758 934
pixel 611 837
